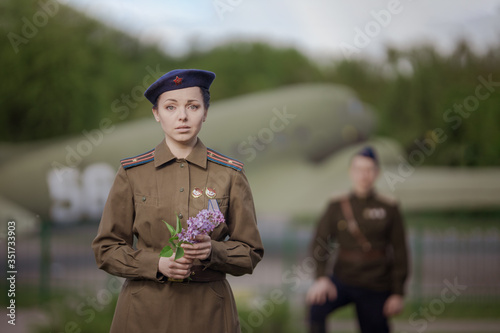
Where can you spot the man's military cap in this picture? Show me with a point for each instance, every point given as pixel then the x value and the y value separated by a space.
pixel 368 152
pixel 179 79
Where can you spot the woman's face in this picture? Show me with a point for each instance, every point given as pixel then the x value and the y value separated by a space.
pixel 181 113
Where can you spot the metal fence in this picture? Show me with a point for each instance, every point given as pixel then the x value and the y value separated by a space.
pixel 469 259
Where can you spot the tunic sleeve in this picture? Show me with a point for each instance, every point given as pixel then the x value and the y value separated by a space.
pixel 320 248
pixel 400 264
pixel 113 245
pixel 243 250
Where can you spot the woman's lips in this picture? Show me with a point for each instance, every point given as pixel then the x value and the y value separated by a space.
pixel 183 128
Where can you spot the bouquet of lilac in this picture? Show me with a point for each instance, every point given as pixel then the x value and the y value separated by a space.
pixel 202 224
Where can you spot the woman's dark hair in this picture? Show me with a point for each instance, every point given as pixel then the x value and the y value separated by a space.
pixel 205 94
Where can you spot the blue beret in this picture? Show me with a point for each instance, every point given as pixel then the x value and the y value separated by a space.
pixel 179 79
pixel 368 152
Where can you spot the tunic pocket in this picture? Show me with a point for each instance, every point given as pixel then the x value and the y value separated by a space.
pixel 223 203
pixel 145 200
pixel 148 226
pixel 136 286
pixel 216 289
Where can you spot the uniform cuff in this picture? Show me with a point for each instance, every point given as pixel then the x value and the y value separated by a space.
pixel 148 266
pixel 398 291
pixel 218 256
pixel 320 270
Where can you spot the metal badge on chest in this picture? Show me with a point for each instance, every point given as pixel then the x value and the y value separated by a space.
pixel 374 213
pixel 211 194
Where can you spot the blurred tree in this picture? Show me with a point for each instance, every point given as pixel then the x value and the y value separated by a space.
pixel 64 73
pixel 72 71
pixel 250 67
pixel 62 70
pixel 428 93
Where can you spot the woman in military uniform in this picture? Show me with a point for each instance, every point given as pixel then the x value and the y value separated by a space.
pixel 178 178
pixel 372 264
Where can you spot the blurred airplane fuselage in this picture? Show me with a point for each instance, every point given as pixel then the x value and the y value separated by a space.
pixel 68 179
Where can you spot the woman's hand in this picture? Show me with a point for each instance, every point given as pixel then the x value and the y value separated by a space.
pixel 175 269
pixel 199 250
pixel 322 290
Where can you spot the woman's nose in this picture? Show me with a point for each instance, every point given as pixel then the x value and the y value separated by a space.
pixel 182 114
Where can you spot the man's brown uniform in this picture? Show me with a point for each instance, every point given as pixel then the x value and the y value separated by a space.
pixel 372 259
pixel 385 266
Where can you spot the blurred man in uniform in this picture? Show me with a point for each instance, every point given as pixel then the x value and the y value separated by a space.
pixel 372 262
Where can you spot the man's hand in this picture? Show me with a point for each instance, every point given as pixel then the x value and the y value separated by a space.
pixel 175 269
pixel 322 290
pixel 199 250
pixel 393 305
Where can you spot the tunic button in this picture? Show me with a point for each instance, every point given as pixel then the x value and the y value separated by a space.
pixel 182 165
pixel 143 199
pixel 182 189
pixel 180 216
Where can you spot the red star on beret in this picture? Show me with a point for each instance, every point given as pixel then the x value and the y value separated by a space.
pixel 177 80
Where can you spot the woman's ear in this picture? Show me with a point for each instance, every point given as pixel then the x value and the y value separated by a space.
pixel 205 115
pixel 155 114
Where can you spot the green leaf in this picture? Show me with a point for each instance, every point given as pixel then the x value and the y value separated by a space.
pixel 170 228
pixel 179 253
pixel 179 225
pixel 166 251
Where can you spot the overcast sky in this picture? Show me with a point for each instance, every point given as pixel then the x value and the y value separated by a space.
pixel 319 28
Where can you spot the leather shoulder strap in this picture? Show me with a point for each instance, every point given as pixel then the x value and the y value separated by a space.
pixel 352 225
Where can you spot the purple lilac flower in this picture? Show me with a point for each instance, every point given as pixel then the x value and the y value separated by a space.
pixel 202 224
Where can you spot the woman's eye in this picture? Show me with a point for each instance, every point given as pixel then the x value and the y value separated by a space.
pixel 170 107
pixel 193 107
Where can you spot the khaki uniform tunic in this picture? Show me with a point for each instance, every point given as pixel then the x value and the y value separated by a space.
pixel 385 266
pixel 141 197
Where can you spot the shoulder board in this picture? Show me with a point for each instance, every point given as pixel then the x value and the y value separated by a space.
pixel 221 159
pixel 391 201
pixel 138 160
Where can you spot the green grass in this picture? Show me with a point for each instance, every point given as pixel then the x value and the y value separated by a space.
pixel 28 296
pixel 61 309
pixel 71 312
pixel 485 309
pixel 280 318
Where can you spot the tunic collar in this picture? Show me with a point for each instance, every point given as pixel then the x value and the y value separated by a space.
pixel 197 156
pixel 369 195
